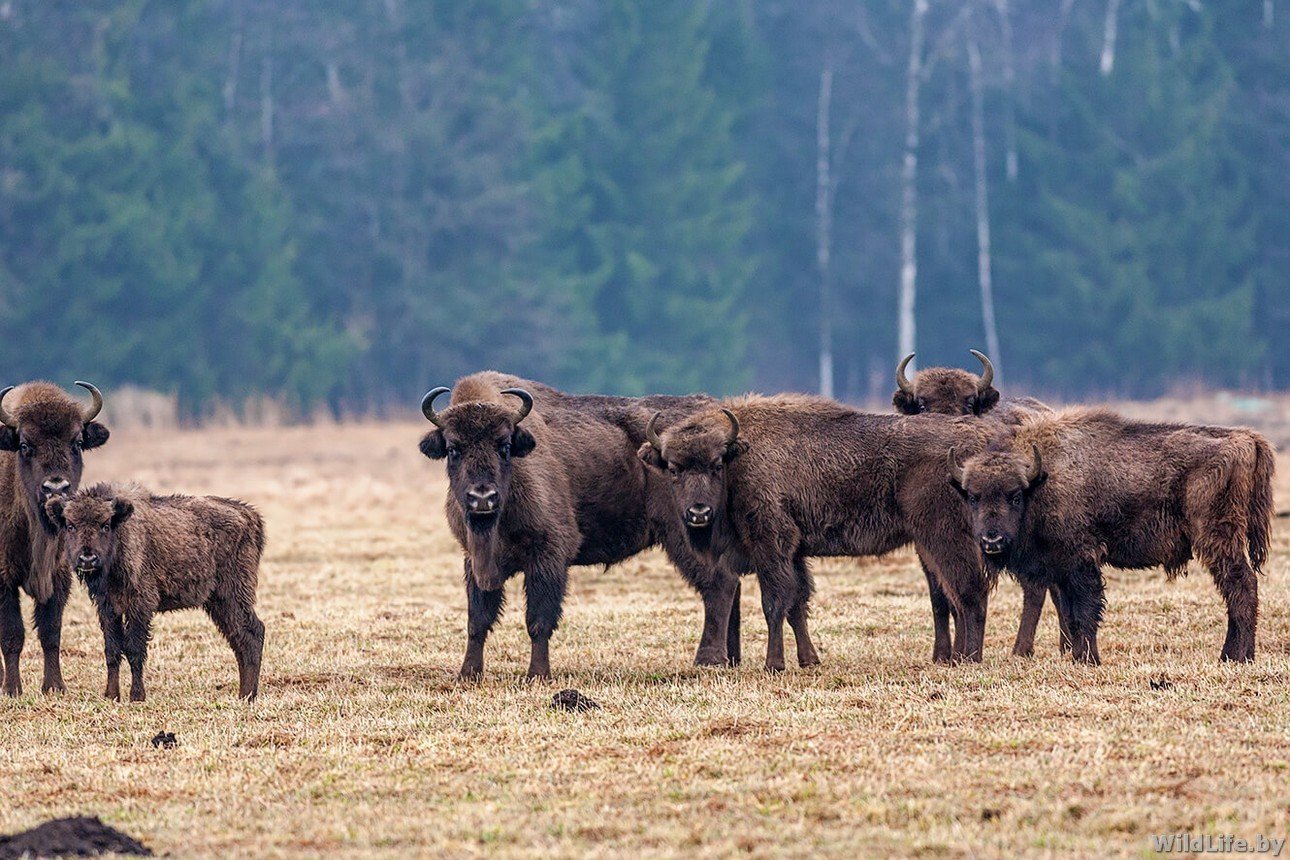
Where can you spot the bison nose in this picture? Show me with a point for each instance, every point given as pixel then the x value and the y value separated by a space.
pixel 87 560
pixel 992 543
pixel 482 500
pixel 699 515
pixel 56 486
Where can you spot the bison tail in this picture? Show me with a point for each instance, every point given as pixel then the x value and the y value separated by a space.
pixel 1259 525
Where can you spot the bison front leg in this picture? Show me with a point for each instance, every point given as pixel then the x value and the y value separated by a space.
pixel 1063 620
pixel 482 611
pixel 778 595
pixel 969 646
pixel 11 638
pixel 138 630
pixel 1239 586
pixel 719 605
pixel 49 629
pixel 1032 608
pixel 734 647
pixel 544 597
pixel 113 643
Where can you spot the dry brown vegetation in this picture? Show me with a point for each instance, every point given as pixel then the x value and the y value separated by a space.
pixel 362 743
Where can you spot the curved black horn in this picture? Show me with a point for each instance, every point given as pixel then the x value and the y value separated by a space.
pixel 734 427
pixel 526 402
pixel 956 471
pixel 902 380
pixel 5 417
pixel 651 435
pixel 987 371
pixel 427 406
pixel 96 407
pixel 1036 467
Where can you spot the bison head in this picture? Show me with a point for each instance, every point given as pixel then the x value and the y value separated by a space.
pixel 48 431
pixel 693 455
pixel 946 390
pixel 480 440
pixel 997 485
pixel 89 521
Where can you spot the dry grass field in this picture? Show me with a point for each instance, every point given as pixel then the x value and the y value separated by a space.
pixel 363 744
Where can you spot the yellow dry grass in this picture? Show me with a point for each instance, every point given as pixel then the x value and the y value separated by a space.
pixel 363 744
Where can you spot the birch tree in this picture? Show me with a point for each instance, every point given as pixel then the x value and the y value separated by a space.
pixel 984 274
pixel 908 180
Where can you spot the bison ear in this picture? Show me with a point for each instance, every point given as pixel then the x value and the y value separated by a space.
pixel 434 446
pixel 734 449
pixel 121 511
pixel 650 456
pixel 93 435
pixel 54 510
pixel 8 438
pixel 906 404
pixel 522 442
pixel 986 400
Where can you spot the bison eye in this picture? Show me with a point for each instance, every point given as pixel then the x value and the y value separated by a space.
pixel 104 528
pixel 973 498
pixel 24 449
pixel 504 451
pixel 76 444
pixel 71 527
pixel 454 453
pixel 1014 499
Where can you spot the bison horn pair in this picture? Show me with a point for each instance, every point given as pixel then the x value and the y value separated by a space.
pixel 987 373
pixel 651 435
pixel 427 404
pixel 96 406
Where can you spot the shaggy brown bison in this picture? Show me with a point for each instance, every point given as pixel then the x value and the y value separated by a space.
pixel 539 480
pixel 139 554
pixel 762 483
pixel 1066 493
pixel 950 391
pixel 42 436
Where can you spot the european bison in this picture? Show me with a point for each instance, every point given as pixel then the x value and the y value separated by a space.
pixel 41 442
pixel 1066 493
pixel 539 480
pixel 762 483
pixel 139 554
pixel 950 391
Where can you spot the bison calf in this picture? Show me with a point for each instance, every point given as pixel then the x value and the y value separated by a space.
pixel 1068 492
pixel 139 554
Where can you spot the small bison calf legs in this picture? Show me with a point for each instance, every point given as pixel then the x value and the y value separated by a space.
pixel 128 637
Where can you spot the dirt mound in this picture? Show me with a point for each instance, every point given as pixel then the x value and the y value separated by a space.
pixel 70 837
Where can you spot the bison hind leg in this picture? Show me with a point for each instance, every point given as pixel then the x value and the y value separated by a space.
pixel 798 613
pixel 244 632
pixel 1239 585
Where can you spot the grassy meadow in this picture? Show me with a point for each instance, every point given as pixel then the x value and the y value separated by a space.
pixel 363 744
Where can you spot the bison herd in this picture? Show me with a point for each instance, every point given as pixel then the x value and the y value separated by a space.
pixel 540 480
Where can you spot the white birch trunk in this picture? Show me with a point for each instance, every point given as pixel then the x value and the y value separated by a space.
pixel 1009 88
pixel 824 226
pixel 984 275
pixel 909 189
pixel 1108 36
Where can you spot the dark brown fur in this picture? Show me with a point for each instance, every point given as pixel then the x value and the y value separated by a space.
pixel 569 491
pixel 46 447
pixel 140 554
pixel 1127 493
pixel 950 391
pixel 810 477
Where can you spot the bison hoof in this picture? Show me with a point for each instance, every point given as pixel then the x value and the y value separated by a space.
pixel 54 687
pixel 711 658
pixel 13 690
pixel 774 668
pixel 1023 653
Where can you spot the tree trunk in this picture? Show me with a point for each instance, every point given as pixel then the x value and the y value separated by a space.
pixel 984 275
pixel 824 226
pixel 234 60
pixel 908 181
pixel 1267 14
pixel 266 104
pixel 1108 36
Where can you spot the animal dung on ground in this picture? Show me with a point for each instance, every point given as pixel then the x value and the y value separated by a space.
pixel 572 700
pixel 1161 683
pixel 82 836
pixel 165 740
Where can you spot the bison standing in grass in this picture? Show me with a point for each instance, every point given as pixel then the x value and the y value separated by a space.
pixel 762 483
pixel 140 554
pixel 539 480
pixel 950 391
pixel 1066 493
pixel 41 441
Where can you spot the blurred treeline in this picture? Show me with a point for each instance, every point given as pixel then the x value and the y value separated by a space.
pixel 349 202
